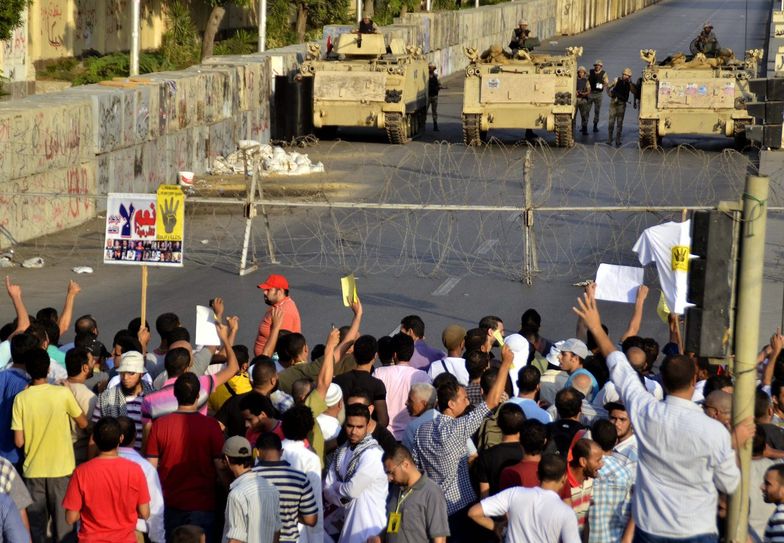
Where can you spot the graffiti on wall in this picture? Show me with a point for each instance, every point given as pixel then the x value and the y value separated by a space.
pixel 14 53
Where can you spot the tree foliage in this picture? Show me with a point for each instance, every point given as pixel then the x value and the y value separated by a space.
pixel 11 16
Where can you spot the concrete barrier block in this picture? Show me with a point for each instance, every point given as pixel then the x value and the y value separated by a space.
pixel 28 215
pixel 221 139
pixel 43 134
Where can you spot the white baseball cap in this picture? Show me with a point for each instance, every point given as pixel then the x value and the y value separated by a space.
pixel 131 362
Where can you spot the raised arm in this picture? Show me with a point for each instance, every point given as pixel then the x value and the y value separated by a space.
pixel 276 316
pixel 327 370
pixel 22 317
pixel 353 331
pixel 634 323
pixel 589 314
pixel 623 375
pixel 232 366
pixel 775 346
pixel 67 314
pixel 494 396
pixel 674 324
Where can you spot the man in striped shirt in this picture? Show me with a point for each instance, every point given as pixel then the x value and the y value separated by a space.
pixel 253 503
pixel 297 501
pixel 773 492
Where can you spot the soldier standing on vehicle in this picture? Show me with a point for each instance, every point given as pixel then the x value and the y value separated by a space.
pixel 519 35
pixel 367 26
pixel 706 42
pixel 583 92
pixel 598 82
pixel 433 86
pixel 619 92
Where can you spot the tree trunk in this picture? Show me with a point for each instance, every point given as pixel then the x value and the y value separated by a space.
pixel 302 21
pixel 213 24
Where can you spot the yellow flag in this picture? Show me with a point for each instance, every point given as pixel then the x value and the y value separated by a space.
pixel 661 308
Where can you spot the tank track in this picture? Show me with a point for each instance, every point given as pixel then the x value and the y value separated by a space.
pixel 648 137
pixel 471 133
pixel 396 128
pixel 564 131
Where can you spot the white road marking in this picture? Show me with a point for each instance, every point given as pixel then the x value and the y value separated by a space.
pixel 446 286
pixel 486 246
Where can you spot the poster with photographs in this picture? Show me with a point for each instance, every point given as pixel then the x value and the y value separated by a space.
pixel 145 228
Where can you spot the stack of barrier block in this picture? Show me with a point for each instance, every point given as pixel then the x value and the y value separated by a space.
pixel 768 105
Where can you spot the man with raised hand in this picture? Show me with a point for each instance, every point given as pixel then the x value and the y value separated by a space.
pixel 685 457
pixel 440 446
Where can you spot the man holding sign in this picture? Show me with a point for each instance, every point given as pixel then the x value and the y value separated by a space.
pixel 276 295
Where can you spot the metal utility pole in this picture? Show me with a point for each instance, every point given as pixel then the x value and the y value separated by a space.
pixel 755 212
pixel 359 11
pixel 135 26
pixel 262 26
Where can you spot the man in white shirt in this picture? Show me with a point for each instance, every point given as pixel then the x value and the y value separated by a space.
pixel 356 482
pixel 153 526
pixel 536 515
pixel 328 420
pixel 296 423
pixel 453 338
pixel 684 456
pixel 638 359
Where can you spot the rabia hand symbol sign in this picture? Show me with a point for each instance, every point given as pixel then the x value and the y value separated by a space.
pixel 170 208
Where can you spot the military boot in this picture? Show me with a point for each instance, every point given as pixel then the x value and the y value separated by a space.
pixel 596 126
pixel 435 126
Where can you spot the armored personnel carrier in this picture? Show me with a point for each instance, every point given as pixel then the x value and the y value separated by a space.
pixel 520 90
pixel 696 95
pixel 365 82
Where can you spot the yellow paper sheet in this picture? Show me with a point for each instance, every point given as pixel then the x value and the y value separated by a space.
pixel 498 337
pixel 348 285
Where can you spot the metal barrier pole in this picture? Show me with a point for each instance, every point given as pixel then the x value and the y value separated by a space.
pixel 530 259
pixel 752 263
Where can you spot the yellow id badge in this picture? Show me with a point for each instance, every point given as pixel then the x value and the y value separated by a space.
pixel 393 526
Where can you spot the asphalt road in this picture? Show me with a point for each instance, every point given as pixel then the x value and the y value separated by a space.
pixel 458 266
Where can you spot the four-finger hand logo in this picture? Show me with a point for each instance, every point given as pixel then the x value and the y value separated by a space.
pixel 170 208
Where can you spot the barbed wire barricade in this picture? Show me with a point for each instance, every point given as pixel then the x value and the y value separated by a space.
pixel 444 209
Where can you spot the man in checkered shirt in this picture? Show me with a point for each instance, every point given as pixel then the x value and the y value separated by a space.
pixel 440 451
pixel 610 510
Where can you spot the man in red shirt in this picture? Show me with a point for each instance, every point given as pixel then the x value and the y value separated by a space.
pixel 533 438
pixel 108 493
pixel 276 295
pixel 186 448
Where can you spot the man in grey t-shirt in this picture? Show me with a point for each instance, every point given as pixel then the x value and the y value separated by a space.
pixel 416 507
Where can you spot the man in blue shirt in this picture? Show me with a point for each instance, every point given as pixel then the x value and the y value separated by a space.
pixel 13 380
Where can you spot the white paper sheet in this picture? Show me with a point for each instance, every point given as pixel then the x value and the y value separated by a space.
pixel 618 283
pixel 206 334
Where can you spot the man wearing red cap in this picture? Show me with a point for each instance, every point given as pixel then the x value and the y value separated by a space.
pixel 276 295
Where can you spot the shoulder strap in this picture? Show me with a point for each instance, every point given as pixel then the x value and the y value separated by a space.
pixel 230 389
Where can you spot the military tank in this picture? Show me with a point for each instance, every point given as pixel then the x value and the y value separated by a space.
pixel 364 82
pixel 696 95
pixel 520 90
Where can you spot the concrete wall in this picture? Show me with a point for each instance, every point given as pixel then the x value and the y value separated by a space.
pixel 575 16
pixel 126 136
pixel 132 135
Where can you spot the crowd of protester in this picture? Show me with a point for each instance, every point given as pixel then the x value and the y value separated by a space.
pixel 484 436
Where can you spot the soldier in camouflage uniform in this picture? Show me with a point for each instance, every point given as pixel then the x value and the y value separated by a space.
pixel 620 90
